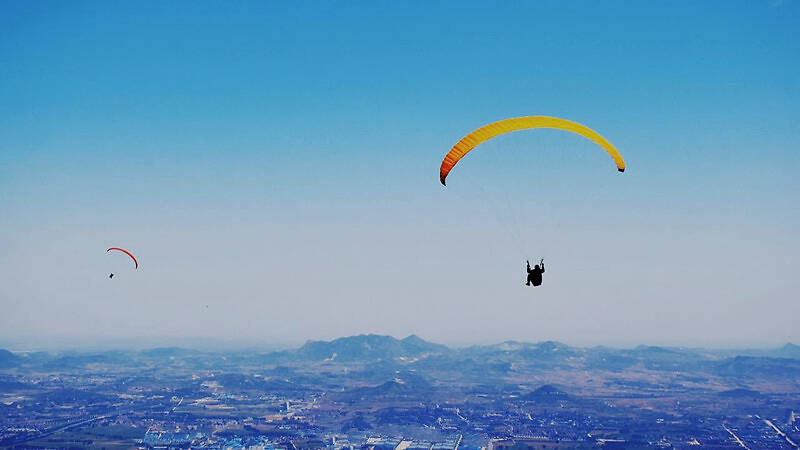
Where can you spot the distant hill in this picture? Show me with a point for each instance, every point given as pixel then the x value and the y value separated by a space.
pixel 368 347
pixel 604 358
pixel 751 366
pixel 403 383
pixel 7 385
pixel 8 359
pixel 546 354
pixel 788 351
pixel 167 352
pixel 386 354
pixel 740 393
pixel 510 356
pixel 422 346
pixel 542 348
pixel 76 360
pixel 653 350
pixel 547 392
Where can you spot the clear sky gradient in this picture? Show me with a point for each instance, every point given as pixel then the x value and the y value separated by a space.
pixel 274 166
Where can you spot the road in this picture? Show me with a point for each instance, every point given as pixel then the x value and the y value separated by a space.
pixel 52 431
pixel 735 437
pixel 781 433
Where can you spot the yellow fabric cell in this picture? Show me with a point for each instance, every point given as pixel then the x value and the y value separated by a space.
pixel 486 132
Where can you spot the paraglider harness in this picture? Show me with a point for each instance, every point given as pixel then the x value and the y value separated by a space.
pixel 535 274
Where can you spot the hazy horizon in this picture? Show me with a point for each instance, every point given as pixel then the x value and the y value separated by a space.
pixel 275 170
pixel 90 344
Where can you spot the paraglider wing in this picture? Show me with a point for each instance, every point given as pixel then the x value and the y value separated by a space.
pixel 127 253
pixel 486 132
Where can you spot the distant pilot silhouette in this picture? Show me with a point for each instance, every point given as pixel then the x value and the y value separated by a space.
pixel 535 274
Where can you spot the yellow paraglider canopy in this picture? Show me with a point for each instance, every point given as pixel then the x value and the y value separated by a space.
pixel 486 132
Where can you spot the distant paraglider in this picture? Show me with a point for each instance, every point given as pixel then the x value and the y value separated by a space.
pixel 486 132
pixel 135 262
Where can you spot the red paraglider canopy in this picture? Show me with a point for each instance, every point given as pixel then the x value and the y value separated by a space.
pixel 127 253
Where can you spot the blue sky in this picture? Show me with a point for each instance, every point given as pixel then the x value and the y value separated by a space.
pixel 279 163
